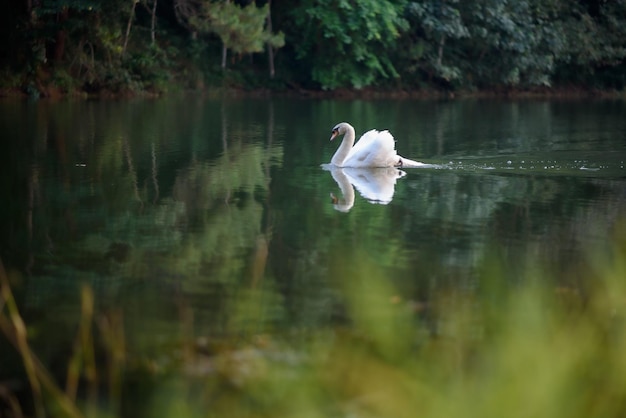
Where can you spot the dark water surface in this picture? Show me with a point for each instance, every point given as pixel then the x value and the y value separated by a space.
pixel 197 218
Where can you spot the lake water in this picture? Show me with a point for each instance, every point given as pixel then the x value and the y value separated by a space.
pixel 204 220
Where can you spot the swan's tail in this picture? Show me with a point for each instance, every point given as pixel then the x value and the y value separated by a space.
pixel 406 163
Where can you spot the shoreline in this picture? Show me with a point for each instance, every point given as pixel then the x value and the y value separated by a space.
pixel 371 93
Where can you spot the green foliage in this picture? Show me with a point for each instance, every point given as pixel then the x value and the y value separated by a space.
pixel 594 45
pixel 64 81
pixel 329 44
pixel 485 43
pixel 150 67
pixel 241 29
pixel 433 23
pixel 344 43
pixel 58 6
pixel 9 79
pixel 513 43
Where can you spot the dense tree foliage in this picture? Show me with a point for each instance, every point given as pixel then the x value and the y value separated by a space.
pixel 240 28
pixel 344 42
pixel 59 46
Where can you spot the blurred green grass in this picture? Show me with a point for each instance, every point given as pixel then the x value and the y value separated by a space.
pixel 533 348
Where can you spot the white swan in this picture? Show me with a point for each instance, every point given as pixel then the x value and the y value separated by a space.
pixel 377 185
pixel 373 149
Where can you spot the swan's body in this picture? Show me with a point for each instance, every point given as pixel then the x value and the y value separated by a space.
pixel 373 149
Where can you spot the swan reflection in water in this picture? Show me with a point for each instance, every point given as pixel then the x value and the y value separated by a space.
pixel 377 185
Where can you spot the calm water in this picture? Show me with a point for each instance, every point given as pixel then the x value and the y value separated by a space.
pixel 207 219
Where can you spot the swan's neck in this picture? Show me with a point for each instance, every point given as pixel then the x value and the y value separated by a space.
pixel 344 149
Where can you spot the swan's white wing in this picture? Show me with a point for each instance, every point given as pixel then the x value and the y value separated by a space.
pixel 373 149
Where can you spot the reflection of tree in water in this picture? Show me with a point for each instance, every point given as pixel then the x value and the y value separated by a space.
pixel 224 205
pixel 122 215
pixel 165 245
pixel 469 217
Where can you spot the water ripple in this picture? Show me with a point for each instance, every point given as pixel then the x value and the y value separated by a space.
pixel 600 165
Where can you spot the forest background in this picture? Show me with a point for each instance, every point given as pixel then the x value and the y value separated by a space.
pixel 128 47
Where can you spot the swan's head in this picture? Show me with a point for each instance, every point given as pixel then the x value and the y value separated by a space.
pixel 339 129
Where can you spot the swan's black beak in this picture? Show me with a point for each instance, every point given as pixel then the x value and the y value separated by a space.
pixel 334 134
